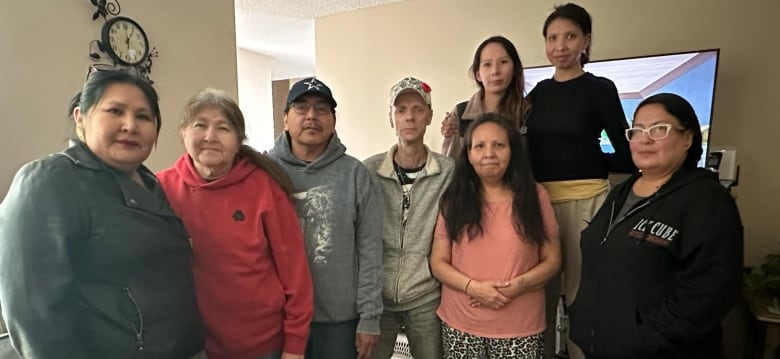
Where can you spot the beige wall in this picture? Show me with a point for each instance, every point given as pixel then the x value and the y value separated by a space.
pixel 255 97
pixel 361 54
pixel 44 59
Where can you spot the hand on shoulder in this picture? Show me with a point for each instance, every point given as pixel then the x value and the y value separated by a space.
pixel 449 125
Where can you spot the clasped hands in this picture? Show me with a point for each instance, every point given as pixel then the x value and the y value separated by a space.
pixel 494 294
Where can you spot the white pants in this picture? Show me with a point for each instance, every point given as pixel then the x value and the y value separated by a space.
pixel 573 217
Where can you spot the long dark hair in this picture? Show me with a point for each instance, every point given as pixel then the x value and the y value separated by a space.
pixel 463 201
pixel 513 104
pixel 682 110
pixel 220 99
pixel 578 15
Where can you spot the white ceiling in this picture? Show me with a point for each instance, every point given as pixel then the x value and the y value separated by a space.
pixel 284 30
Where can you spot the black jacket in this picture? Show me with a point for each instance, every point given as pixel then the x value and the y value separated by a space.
pixel 657 282
pixel 93 265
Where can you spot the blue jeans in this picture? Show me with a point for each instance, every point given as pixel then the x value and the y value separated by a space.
pixel 421 326
pixel 332 340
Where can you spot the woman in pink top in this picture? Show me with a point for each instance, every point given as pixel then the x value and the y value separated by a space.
pixel 495 246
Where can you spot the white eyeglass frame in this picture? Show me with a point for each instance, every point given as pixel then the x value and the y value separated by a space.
pixel 647 131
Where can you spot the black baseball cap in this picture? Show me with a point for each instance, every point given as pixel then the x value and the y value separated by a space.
pixel 310 86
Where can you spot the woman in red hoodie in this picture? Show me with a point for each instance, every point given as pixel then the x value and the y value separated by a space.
pixel 251 273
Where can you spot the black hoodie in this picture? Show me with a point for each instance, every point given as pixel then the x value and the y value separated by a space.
pixel 657 282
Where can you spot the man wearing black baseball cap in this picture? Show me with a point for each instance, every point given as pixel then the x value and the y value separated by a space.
pixel 310 86
pixel 340 210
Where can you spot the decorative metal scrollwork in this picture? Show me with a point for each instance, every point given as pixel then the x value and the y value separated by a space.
pixel 146 67
pixel 105 8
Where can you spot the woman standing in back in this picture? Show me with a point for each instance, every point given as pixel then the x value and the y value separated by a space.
pixel 498 73
pixel 569 112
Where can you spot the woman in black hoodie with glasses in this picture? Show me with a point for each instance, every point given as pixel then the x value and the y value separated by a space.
pixel 662 258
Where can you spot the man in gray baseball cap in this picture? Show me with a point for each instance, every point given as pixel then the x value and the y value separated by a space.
pixel 412 179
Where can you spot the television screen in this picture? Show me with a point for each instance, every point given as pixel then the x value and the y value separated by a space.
pixel 690 74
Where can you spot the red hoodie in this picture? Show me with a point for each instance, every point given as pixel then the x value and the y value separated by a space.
pixel 252 277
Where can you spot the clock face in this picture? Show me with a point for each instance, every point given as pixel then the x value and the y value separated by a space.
pixel 125 41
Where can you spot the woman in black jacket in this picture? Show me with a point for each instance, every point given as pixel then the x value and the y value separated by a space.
pixel 662 258
pixel 93 261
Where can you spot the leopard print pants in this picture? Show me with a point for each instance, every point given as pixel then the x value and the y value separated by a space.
pixel 460 345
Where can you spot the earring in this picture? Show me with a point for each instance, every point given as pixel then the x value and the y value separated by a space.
pixel 80 134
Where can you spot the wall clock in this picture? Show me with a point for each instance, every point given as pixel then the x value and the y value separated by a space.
pixel 125 41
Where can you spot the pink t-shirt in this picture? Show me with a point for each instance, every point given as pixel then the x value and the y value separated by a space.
pixel 500 253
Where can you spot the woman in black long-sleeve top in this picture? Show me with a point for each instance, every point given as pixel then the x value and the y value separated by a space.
pixel 568 113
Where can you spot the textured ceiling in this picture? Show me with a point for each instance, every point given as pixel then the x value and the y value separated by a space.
pixel 304 9
pixel 284 30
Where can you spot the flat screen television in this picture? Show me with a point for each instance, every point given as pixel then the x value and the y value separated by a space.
pixel 691 75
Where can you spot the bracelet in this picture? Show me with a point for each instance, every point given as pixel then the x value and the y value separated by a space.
pixel 467 286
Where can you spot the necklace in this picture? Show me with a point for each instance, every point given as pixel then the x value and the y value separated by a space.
pixel 407 176
pixel 400 174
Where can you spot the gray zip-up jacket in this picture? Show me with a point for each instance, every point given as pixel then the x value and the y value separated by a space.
pixel 408 282
pixel 340 210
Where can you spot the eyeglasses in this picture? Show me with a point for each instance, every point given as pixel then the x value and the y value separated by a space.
pixel 655 132
pixel 303 108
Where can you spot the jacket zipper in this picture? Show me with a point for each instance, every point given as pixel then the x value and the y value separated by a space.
pixel 400 263
pixel 629 213
pixel 139 330
pixel 621 219
pixel 403 232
